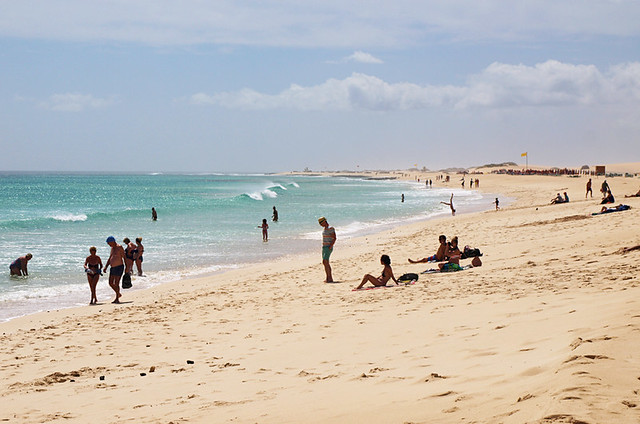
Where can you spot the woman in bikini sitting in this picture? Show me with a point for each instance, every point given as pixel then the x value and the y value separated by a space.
pixel 387 274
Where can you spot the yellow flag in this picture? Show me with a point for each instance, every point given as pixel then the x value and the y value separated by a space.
pixel 524 154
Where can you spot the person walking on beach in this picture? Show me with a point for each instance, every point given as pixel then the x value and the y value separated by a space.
pixel 154 214
pixel 328 240
pixel 605 188
pixel 450 204
pixel 588 189
pixel 497 202
pixel 116 260
pixel 265 227
pixel 138 257
pixel 19 266
pixel 275 214
pixel 93 268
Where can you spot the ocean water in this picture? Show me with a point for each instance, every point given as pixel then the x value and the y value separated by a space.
pixel 206 223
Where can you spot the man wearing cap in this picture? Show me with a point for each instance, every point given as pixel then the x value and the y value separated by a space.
pixel 116 260
pixel 328 240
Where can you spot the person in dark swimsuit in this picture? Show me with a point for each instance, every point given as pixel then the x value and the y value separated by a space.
pixel 93 268
pixel 116 260
pixel 139 252
pixel 387 274
pixel 19 266
pixel 130 252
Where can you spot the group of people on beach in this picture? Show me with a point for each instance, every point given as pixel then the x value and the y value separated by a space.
pixel 605 189
pixel 121 261
pixel 448 255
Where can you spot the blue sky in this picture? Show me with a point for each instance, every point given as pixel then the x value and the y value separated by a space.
pixel 261 86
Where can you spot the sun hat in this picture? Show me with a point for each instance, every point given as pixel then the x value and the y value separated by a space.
pixel 321 220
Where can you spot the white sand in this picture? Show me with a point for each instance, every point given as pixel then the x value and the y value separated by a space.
pixel 547 330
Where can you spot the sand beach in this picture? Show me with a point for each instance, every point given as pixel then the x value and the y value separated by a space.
pixel 545 331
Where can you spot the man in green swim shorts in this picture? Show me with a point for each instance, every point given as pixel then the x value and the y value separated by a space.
pixel 328 240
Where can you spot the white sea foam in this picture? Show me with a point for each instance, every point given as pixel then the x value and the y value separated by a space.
pixel 69 217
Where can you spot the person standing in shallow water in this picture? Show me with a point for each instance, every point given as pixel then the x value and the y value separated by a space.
pixel 116 260
pixel 265 228
pixel 154 214
pixel 328 240
pixel 139 258
pixel 93 268
pixel 275 214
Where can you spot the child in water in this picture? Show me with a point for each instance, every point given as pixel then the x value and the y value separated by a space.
pixel 265 227
pixel 387 274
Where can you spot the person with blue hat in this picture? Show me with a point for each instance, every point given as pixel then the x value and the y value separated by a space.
pixel 116 260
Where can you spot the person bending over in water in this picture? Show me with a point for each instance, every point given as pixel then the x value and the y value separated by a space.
pixel 116 260
pixel 453 254
pixel 19 266
pixel 387 274
pixel 93 268
pixel 439 256
pixel 450 204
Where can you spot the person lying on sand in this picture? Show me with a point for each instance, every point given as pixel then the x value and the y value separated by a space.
pixel 387 274
pixel 633 195
pixel 618 208
pixel 453 254
pixel 439 256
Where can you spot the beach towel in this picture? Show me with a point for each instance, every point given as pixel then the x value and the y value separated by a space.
pixel 616 209
pixel 434 270
pixel 400 284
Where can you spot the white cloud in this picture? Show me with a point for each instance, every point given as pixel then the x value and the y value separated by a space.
pixel 74 102
pixel 362 57
pixel 551 83
pixel 330 23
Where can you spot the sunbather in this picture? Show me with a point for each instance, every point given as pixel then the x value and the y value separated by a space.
pixel 453 254
pixel 439 256
pixel 387 274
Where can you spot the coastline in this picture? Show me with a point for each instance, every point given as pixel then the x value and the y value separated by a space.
pixel 551 309
pixel 74 295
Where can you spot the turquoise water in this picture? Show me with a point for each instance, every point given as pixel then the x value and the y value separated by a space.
pixel 206 223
